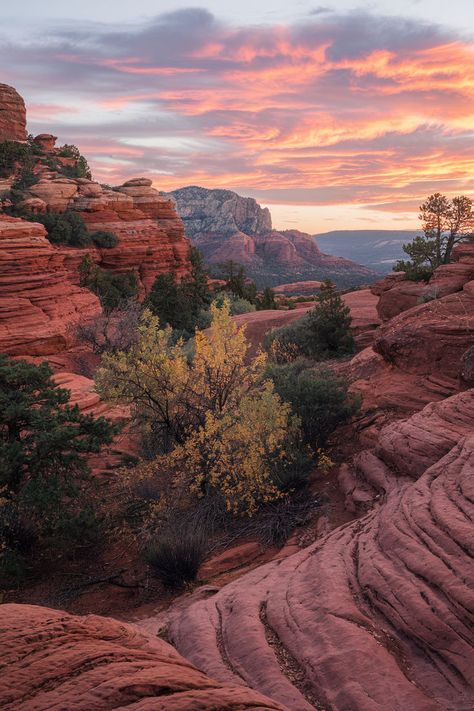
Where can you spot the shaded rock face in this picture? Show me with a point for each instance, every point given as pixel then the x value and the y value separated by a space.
pixel 226 226
pixel 375 615
pixel 53 660
pixel 38 300
pixel 12 115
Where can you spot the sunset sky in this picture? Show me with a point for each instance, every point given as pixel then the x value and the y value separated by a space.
pixel 336 116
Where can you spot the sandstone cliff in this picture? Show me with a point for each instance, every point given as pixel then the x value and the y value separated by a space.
pixel 226 226
pixel 12 115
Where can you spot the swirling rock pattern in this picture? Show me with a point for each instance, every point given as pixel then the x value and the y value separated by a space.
pixel 376 615
pixel 52 661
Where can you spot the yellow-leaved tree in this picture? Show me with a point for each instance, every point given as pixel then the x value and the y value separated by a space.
pixel 222 429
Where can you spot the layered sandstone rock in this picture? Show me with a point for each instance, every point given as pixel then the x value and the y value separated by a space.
pixel 12 115
pixel 226 226
pixel 52 660
pixel 38 301
pixel 375 616
pixel 150 233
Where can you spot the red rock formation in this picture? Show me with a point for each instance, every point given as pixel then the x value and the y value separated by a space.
pixel 46 142
pixel 398 294
pixel 375 615
pixel 52 660
pixel 150 233
pixel 432 337
pixel 226 226
pixel 38 302
pixel 12 115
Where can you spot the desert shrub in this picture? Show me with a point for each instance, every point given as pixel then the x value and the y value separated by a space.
pixel 237 306
pixel 113 289
pixel 109 331
pixel 64 228
pixel 12 154
pixel 104 239
pixel 318 396
pixel 176 554
pixel 180 305
pixel 227 432
pixel 266 300
pixel 324 332
pixel 43 443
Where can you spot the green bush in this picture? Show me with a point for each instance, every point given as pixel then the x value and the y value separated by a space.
pixel 44 476
pixel 322 333
pixel 64 228
pixel 318 396
pixel 180 304
pixel 12 154
pixel 175 557
pixel 113 289
pixel 104 239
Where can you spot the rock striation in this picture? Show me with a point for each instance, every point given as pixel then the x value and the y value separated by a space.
pixel 375 616
pixel 52 660
pixel 12 115
pixel 226 226
pixel 38 300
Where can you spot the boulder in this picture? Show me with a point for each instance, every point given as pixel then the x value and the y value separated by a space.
pixel 46 141
pixel 52 660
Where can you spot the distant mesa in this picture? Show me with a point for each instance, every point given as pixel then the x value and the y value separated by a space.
pixel 12 115
pixel 226 226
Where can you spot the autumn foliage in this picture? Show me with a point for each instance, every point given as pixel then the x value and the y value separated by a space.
pixel 221 426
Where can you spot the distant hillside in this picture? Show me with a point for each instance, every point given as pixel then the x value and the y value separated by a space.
pixel 376 249
pixel 226 226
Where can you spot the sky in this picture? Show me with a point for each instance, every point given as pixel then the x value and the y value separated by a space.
pixel 337 115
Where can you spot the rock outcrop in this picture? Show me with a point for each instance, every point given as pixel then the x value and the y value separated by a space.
pixel 226 226
pixel 398 294
pixel 12 115
pixel 38 300
pixel 375 616
pixel 52 660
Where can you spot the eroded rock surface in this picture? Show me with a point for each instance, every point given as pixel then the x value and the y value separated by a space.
pixel 374 616
pixel 51 660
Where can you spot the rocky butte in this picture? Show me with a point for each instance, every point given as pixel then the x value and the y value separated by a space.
pixel 226 226
pixel 371 614
pixel 12 115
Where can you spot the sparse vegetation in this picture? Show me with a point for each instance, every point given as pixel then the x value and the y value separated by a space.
pixel 318 396
pixel 113 289
pixel 104 239
pixel 322 333
pixel 64 228
pixel 175 555
pixel 445 223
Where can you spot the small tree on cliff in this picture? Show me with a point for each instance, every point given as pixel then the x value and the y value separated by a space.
pixel 445 223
